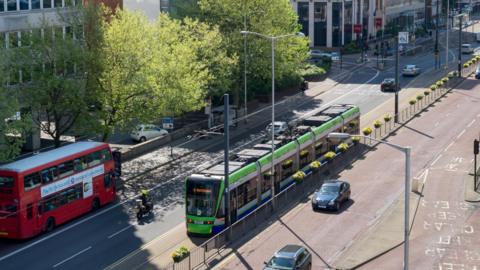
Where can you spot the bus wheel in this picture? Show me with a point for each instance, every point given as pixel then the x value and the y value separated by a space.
pixel 95 204
pixel 50 224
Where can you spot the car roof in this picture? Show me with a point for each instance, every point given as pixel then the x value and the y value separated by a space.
pixel 388 79
pixel 410 65
pixel 289 251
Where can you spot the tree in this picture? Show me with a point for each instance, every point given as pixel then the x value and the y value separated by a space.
pixel 53 75
pixel 12 127
pixel 262 16
pixel 164 69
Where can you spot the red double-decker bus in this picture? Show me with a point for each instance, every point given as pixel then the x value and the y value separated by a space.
pixel 43 191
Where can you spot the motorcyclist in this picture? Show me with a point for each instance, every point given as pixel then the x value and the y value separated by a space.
pixel 146 200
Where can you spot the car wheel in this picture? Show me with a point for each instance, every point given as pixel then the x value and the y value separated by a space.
pixel 337 206
pixel 50 225
pixel 142 139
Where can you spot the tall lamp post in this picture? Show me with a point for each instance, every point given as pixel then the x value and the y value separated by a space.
pixel 273 39
pixel 406 150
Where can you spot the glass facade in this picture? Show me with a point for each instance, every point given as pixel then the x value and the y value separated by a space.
pixel 320 24
pixel 336 24
pixel 348 21
pixel 303 16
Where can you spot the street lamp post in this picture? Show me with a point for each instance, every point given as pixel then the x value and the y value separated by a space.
pixel 273 39
pixel 446 47
pixel 407 151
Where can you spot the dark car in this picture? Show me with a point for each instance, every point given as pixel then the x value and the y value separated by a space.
pixel 290 257
pixel 331 195
pixel 477 73
pixel 388 84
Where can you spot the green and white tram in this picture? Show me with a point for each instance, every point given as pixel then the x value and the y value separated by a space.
pixel 249 179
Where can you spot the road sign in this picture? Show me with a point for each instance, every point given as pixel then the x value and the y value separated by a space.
pixel 357 28
pixel 378 22
pixel 403 37
pixel 167 122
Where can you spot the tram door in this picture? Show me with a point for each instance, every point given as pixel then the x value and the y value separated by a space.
pixel 233 206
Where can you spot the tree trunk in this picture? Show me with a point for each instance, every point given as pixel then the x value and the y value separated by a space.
pixel 56 140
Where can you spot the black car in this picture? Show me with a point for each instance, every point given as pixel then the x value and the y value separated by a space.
pixel 388 84
pixel 331 195
pixel 290 257
pixel 477 73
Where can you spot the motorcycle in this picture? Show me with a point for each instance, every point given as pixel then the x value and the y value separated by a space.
pixel 143 210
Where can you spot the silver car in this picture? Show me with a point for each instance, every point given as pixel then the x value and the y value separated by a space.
pixel 410 70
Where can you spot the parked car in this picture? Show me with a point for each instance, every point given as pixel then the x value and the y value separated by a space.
pixel 388 84
pixel 331 195
pixel 279 127
pixel 335 56
pixel 410 70
pixel 143 132
pixel 477 72
pixel 319 54
pixel 292 257
pixel 467 48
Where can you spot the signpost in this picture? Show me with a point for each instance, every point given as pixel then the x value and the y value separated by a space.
pixel 402 37
pixel 167 122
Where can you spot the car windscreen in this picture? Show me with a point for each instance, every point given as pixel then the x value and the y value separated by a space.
pixel 330 188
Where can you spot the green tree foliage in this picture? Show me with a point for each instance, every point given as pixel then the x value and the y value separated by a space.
pixel 163 69
pixel 53 76
pixel 266 17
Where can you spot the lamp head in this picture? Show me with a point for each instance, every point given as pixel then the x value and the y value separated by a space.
pixel 338 135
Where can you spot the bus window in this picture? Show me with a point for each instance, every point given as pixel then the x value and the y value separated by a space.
pixel 32 180
pixel 48 175
pixel 94 159
pixel 105 154
pixel 79 164
pixel 6 182
pixel 65 169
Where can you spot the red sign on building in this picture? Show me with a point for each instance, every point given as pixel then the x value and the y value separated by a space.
pixel 357 28
pixel 378 22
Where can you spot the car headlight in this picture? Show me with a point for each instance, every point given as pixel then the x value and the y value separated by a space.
pixel 332 202
pixel 314 199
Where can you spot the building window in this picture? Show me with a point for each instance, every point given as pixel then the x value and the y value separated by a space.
pixel 23 4
pixel 58 3
pixel 35 4
pixel 2 39
pixel 47 3
pixel 2 8
pixel 11 5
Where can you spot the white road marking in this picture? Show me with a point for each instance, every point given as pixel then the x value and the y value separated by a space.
pixel 120 231
pixel 446 149
pixel 461 133
pixel 435 161
pixel 425 177
pixel 471 123
pixel 71 257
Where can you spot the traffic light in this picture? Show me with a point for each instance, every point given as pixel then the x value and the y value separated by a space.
pixel 475 147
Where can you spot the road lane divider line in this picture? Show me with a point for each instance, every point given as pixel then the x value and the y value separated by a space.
pixel 71 257
pixel 425 177
pixel 120 231
pixel 461 133
pixel 435 161
pixel 471 123
pixel 446 149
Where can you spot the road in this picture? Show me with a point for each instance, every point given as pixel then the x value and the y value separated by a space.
pixel 443 233
pixel 114 233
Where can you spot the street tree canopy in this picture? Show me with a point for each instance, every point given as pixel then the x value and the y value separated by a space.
pixel 164 69
pixel 266 17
